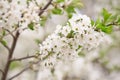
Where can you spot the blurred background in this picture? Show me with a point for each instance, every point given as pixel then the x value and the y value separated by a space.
pixel 27 43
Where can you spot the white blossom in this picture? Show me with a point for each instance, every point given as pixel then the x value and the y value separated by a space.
pixel 67 42
pixel 18 12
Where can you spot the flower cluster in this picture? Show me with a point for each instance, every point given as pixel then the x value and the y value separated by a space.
pixel 67 42
pixel 14 12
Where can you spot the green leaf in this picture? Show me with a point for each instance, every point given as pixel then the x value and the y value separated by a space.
pixel 106 29
pixel 118 20
pixel 92 22
pixel 3 32
pixel 76 3
pixel 4 42
pixel 81 54
pixel 31 26
pixel 78 47
pixel 106 15
pixel 60 34
pixel 43 21
pixel 70 9
pixel 27 1
pixel 71 34
pixel 59 1
pixel 57 11
pixel 14 65
pixel 38 41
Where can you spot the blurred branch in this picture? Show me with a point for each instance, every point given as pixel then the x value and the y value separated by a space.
pixel 20 73
pixel 10 32
pixel 30 66
pixel 23 58
pixel 2 71
pixel 45 7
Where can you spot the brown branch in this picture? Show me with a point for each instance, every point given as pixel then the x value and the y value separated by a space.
pixel 29 67
pixel 20 73
pixel 11 51
pixel 15 39
pixel 46 6
pixel 10 32
pixel 2 71
pixel 23 58
pixel 114 23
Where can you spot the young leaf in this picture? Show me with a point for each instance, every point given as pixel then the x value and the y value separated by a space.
pixel 118 20
pixel 71 34
pixel 70 9
pixel 106 29
pixel 59 1
pixel 81 54
pixel 3 32
pixel 4 42
pixel 43 21
pixel 57 11
pixel 76 3
pixel 106 15
pixel 31 26
pixel 92 22
pixel 14 65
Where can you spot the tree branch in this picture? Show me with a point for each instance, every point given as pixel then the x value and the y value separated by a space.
pixel 114 23
pixel 29 67
pixel 46 6
pixel 20 73
pixel 15 39
pixel 2 71
pixel 10 32
pixel 23 58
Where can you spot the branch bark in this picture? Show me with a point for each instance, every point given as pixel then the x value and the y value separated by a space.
pixel 11 51
pixel 10 55
pixel 2 71
pixel 23 58
pixel 19 73
pixel 46 6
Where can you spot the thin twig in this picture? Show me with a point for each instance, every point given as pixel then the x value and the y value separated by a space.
pixel 20 73
pixel 10 32
pixel 2 71
pixel 10 55
pixel 114 23
pixel 29 67
pixel 23 58
pixel 46 6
